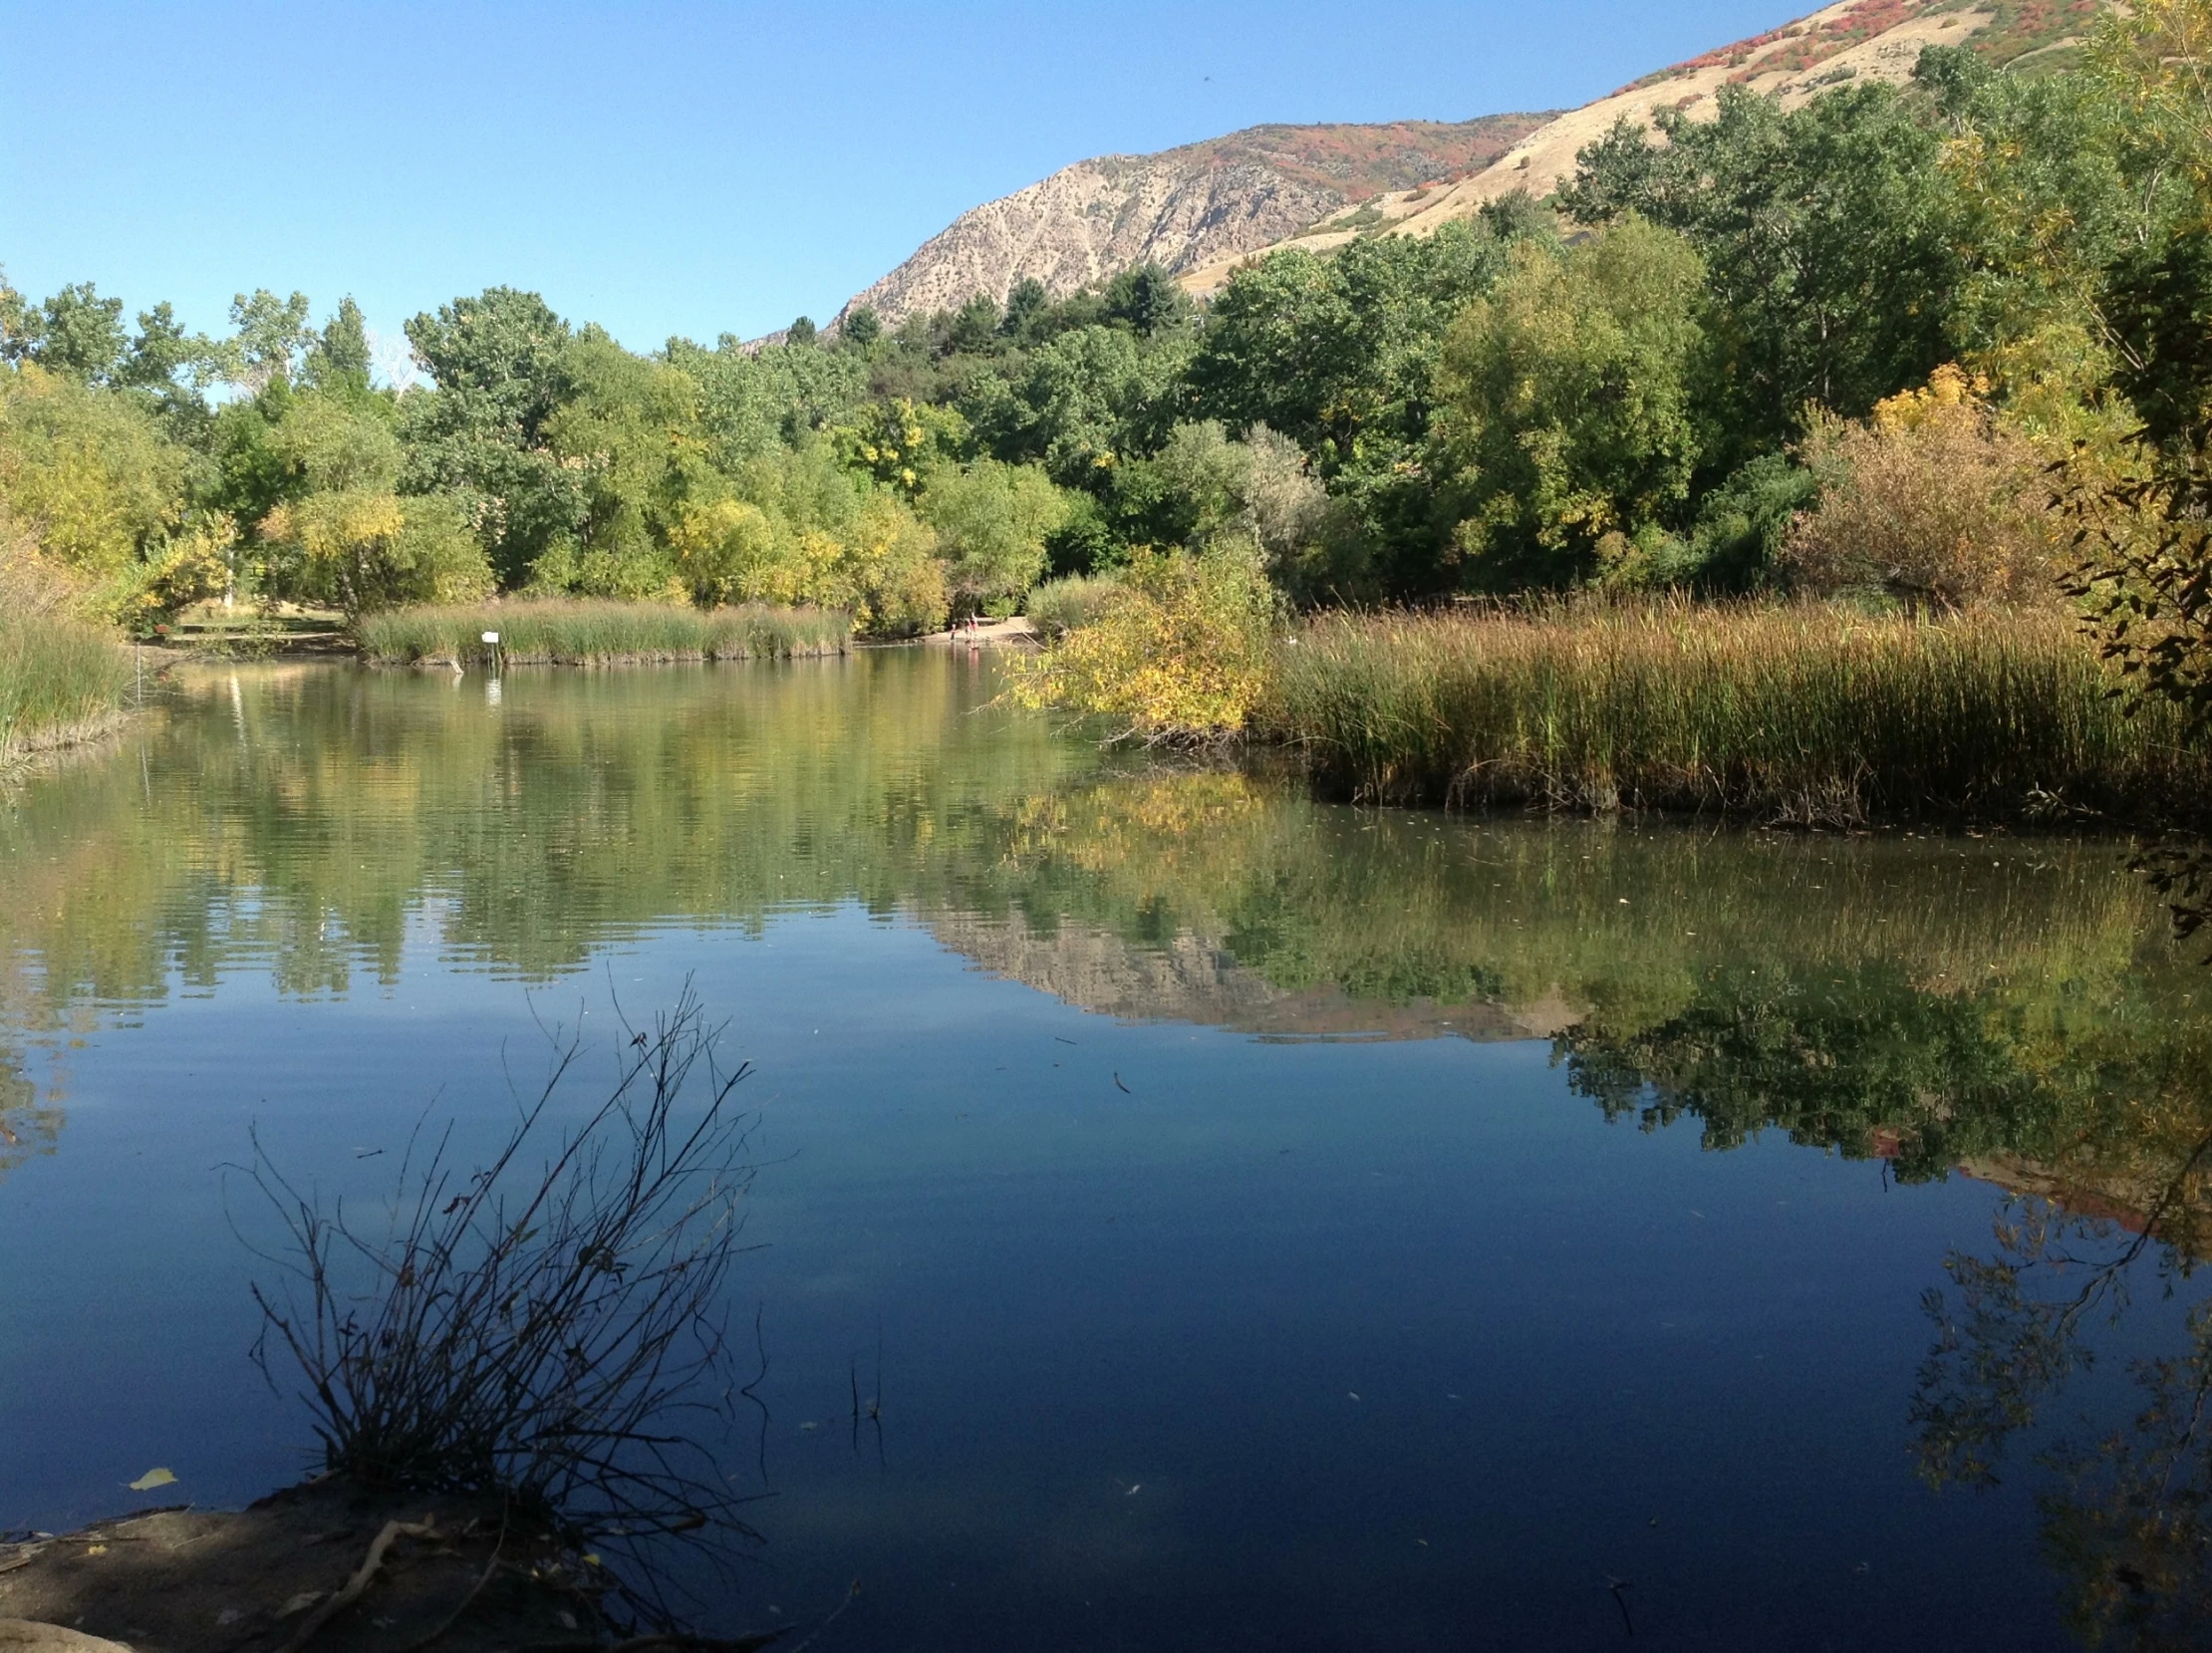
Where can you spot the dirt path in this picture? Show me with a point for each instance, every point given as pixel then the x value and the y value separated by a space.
pixel 1016 633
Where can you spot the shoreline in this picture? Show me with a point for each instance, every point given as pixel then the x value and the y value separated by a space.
pixel 21 750
pixel 360 1569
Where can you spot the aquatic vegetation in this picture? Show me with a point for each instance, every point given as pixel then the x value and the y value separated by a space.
pixel 61 676
pixel 588 633
pixel 1803 714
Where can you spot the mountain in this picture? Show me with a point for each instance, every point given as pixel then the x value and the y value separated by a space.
pixel 1850 42
pixel 1182 208
pixel 1203 209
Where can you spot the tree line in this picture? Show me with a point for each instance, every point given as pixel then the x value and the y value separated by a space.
pixel 1837 347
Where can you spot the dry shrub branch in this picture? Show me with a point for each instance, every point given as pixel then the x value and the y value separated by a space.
pixel 554 1330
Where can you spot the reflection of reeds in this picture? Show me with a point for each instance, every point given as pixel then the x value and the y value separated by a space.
pixel 579 633
pixel 551 1333
pixel 1803 714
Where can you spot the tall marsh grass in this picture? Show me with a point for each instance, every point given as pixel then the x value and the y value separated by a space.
pixel 589 632
pixel 1810 716
pixel 62 678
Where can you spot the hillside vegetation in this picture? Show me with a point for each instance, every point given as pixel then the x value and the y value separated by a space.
pixel 1838 347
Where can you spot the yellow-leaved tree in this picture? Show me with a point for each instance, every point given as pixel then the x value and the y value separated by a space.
pixel 1180 653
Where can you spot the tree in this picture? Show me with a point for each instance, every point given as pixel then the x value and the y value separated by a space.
pixel 269 335
pixel 79 335
pixel 626 438
pixel 1571 393
pixel 1826 237
pixel 339 354
pixel 975 329
pixel 1148 300
pixel 92 473
pixel 1933 501
pixel 1080 401
pixel 2145 524
pixel 1027 301
pixel 499 362
pixel 991 522
pixel 861 329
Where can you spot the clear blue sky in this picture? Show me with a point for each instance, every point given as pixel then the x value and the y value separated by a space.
pixel 691 168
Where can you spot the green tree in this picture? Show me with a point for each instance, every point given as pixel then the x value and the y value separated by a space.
pixel 1571 392
pixel 628 436
pixel 992 521
pixel 1148 300
pixel 1828 237
pixel 861 329
pixel 339 356
pixel 1080 401
pixel 268 335
pixel 498 361
pixel 79 335
pixel 975 329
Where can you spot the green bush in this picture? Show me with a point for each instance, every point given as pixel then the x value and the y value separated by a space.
pixel 1061 606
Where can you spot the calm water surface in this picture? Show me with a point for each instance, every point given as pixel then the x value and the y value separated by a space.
pixel 1274 1226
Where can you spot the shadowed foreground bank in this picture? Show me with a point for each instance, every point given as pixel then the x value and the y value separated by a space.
pixel 454 1574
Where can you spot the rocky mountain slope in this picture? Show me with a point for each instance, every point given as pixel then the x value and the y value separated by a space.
pixel 1203 209
pixel 1851 41
pixel 1182 208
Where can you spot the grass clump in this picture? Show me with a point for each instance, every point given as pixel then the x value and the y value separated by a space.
pixel 1061 606
pixel 62 676
pixel 1804 714
pixel 595 633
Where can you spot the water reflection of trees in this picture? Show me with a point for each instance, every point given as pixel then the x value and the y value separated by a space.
pixel 2014 1010
pixel 309 823
pixel 2127 1505
pixel 2096 1113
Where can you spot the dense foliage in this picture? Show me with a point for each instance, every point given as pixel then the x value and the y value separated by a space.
pixel 1647 383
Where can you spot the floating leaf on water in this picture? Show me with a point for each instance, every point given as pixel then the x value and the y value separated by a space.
pixel 153 1479
pixel 299 1603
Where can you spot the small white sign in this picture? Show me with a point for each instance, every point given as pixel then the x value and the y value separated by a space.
pixel 491 636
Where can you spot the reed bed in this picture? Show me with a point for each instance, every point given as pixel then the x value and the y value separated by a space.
pixel 60 680
pixel 586 633
pixel 1799 714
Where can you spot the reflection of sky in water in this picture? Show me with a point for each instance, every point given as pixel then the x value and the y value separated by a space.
pixel 1123 1331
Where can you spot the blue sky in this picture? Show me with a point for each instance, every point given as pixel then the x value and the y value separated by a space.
pixel 694 169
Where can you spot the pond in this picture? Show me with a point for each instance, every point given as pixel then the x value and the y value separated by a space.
pixel 1266 1224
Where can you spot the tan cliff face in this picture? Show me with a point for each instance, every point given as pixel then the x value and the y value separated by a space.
pixel 1853 42
pixel 1181 208
pixel 1201 210
pixel 1197 979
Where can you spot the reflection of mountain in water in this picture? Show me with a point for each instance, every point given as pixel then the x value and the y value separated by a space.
pixel 1191 979
pixel 1927 1001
